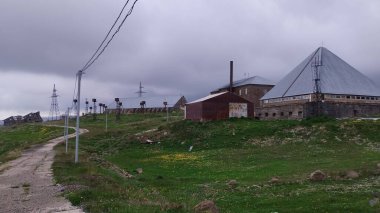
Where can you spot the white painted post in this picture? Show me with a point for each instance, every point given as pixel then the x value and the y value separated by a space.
pixel 106 120
pixel 80 72
pixel 67 127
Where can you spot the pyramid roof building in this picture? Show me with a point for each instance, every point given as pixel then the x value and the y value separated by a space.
pixel 336 77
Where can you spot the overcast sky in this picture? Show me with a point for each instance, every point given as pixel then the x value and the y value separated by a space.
pixel 173 47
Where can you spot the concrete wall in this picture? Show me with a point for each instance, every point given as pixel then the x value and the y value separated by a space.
pixel 309 109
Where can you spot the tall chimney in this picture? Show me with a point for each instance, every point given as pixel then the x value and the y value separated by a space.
pixel 231 74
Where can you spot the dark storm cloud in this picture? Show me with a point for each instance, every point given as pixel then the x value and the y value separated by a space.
pixel 183 46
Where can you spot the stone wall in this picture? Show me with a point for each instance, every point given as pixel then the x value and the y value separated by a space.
pixel 309 109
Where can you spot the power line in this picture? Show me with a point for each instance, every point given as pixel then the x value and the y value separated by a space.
pixel 112 37
pixel 109 32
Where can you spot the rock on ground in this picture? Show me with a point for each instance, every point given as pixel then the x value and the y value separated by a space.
pixel 206 206
pixel 352 174
pixel 317 175
pixel 232 184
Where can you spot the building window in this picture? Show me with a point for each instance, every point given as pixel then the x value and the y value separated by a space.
pixel 274 114
pixel 259 114
pixel 246 91
pixel 282 113
pixel 239 91
pixel 266 114
pixel 290 113
pixel 299 113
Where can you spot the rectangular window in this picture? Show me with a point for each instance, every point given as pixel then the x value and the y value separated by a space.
pixel 239 91
pixel 246 91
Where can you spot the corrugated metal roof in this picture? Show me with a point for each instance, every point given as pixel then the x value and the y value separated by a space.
pixel 151 102
pixel 337 77
pixel 256 80
pixel 207 97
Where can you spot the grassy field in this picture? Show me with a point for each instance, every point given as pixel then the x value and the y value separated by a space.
pixel 175 179
pixel 14 139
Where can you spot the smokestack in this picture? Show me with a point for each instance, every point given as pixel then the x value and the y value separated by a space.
pixel 231 74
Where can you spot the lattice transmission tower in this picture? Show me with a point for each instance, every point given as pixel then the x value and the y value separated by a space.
pixel 54 108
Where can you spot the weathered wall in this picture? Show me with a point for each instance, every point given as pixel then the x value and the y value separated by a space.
pixel 309 109
pixel 342 110
pixel 252 93
pixel 292 111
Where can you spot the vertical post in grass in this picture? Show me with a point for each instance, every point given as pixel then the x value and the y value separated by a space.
pixel 105 108
pixel 80 72
pixel 64 128
pixel 67 127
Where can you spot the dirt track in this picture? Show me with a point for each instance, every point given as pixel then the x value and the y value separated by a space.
pixel 26 184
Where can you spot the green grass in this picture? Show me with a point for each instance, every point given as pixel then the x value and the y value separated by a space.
pixel 251 152
pixel 14 139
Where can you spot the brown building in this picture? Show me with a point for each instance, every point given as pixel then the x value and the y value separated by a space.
pixel 252 88
pixel 323 84
pixel 219 106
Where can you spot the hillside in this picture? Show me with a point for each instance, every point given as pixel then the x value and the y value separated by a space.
pixel 242 165
pixel 14 139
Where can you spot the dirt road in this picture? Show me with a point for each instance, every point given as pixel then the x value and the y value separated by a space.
pixel 26 184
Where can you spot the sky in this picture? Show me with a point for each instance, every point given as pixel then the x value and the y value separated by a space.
pixel 173 47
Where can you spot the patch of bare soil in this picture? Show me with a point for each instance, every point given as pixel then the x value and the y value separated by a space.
pixel 26 183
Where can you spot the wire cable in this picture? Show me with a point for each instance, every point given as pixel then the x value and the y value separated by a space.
pixel 112 37
pixel 109 32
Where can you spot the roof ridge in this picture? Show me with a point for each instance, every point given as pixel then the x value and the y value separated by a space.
pixel 303 69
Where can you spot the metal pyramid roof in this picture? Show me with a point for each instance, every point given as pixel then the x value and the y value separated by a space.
pixel 256 80
pixel 336 77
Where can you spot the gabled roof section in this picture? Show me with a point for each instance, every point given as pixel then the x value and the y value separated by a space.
pixel 336 77
pixel 208 97
pixel 255 80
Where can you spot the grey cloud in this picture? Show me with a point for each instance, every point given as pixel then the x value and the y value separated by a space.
pixel 183 46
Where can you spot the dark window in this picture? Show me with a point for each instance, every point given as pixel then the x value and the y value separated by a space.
pixel 348 97
pixel 259 114
pixel 290 113
pixel 274 114
pixel 282 113
pixel 266 114
pixel 299 113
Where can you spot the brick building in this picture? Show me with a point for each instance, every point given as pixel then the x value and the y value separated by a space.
pixel 219 106
pixel 252 88
pixel 322 84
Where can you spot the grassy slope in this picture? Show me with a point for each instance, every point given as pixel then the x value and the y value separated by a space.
pixel 17 138
pixel 251 152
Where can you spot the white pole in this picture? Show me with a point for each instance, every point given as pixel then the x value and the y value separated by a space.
pixel 80 72
pixel 64 129
pixel 106 120
pixel 67 127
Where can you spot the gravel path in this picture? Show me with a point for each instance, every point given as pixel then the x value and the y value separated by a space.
pixel 26 184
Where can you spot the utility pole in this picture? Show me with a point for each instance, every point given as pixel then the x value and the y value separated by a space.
pixel 80 73
pixel 67 127
pixel 94 100
pixel 106 111
pixel 117 109
pixel 64 129
pixel 167 110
